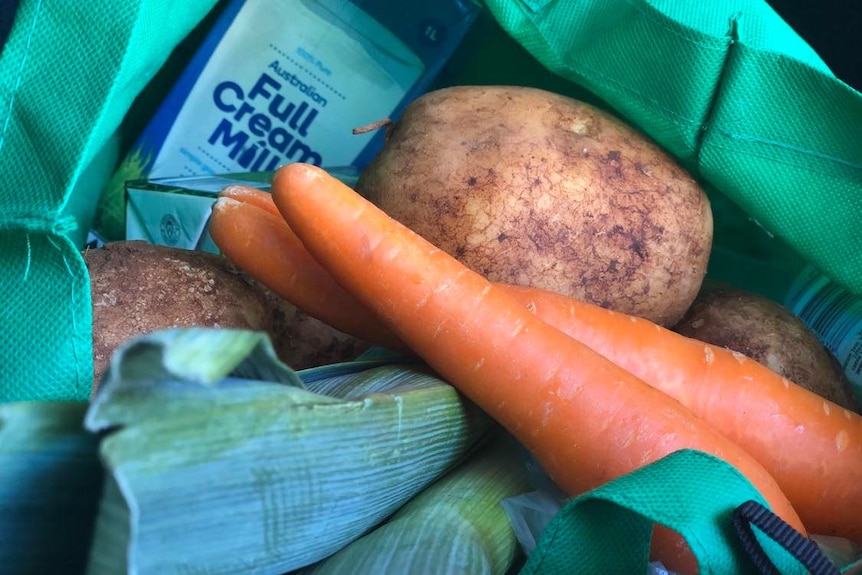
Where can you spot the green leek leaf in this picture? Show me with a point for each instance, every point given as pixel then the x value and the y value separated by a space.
pixel 212 471
pixel 175 370
pixel 458 525
pixel 50 484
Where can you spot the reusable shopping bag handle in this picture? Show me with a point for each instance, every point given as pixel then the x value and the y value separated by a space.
pixel 722 517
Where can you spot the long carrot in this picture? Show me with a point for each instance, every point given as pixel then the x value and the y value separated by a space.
pixel 250 231
pixel 259 243
pixel 811 446
pixel 585 419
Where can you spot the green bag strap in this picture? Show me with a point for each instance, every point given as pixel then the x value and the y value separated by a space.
pixel 608 530
pixel 69 71
pixel 734 93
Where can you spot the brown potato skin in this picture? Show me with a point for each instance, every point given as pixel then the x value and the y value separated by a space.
pixel 771 334
pixel 529 187
pixel 138 287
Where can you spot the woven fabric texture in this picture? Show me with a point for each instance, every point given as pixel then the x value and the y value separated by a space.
pixel 68 73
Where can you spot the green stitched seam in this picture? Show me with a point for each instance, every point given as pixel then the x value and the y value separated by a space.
pixel 792 148
pixel 733 40
pixel 20 75
pixel 717 145
pixel 29 258
pixel 83 391
pixel 651 15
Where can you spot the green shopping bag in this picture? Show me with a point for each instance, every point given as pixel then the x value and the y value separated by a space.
pixel 734 93
pixel 69 71
pixel 724 520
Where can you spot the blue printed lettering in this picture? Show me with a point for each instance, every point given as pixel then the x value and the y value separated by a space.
pixel 221 89
pixel 259 125
pixel 264 112
pixel 223 135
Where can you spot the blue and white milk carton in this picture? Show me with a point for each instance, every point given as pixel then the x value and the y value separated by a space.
pixel 279 81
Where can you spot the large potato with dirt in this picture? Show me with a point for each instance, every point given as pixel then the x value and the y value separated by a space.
pixel 533 188
pixel 137 287
pixel 769 333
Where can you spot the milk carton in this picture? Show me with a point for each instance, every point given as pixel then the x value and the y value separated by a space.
pixel 279 81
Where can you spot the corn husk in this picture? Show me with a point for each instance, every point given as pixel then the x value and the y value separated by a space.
pixel 457 525
pixel 50 484
pixel 212 469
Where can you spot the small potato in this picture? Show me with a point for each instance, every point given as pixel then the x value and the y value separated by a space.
pixel 770 334
pixel 530 187
pixel 138 287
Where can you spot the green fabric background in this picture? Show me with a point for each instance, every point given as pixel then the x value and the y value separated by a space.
pixel 68 74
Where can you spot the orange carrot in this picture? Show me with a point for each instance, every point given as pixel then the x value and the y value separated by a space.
pixel 260 244
pixel 811 446
pixel 249 230
pixel 585 419
pixel 253 197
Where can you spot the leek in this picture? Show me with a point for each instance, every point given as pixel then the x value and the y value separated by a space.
pixel 211 469
pixel 50 483
pixel 457 525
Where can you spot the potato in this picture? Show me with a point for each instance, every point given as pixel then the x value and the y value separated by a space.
pixel 137 287
pixel 533 188
pixel 770 334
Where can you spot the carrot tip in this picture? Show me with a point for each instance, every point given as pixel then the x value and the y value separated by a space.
pixel 237 191
pixel 223 202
